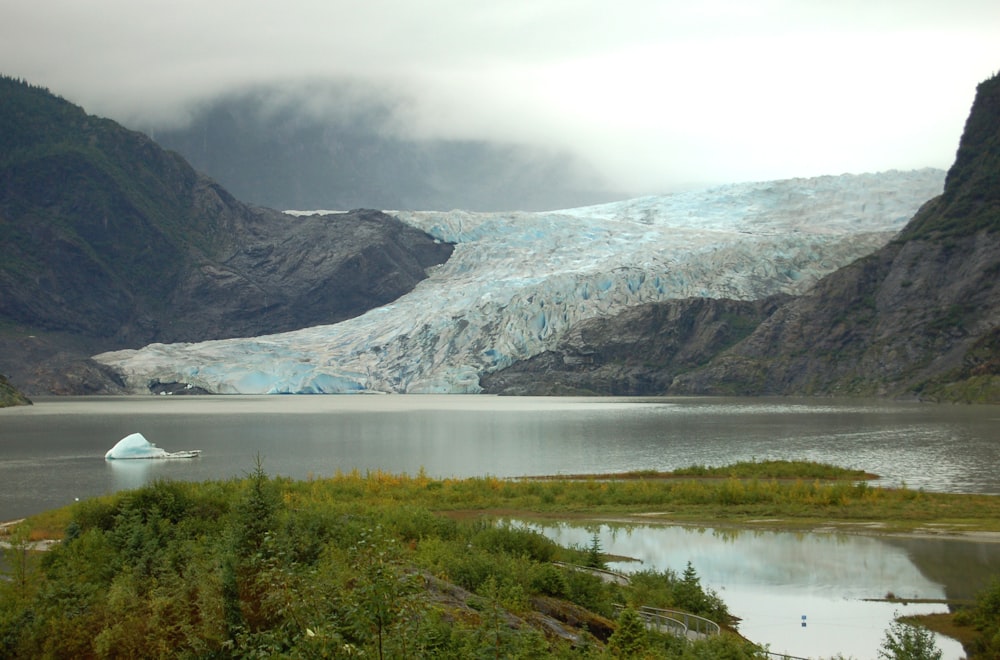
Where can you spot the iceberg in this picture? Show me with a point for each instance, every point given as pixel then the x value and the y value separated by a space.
pixel 517 281
pixel 135 445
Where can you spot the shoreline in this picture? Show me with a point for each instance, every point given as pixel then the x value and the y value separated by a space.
pixel 872 528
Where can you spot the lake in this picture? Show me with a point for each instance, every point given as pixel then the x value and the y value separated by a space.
pixel 53 453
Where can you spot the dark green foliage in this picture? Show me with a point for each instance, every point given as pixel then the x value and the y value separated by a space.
pixel 595 558
pixel 630 640
pixel 259 568
pixel 549 580
pixel 984 616
pixel 667 590
pixel 516 541
pixel 112 209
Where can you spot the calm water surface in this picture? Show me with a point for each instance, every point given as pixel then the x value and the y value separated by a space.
pixel 778 581
pixel 53 452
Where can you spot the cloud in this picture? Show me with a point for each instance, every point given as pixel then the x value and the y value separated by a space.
pixel 657 93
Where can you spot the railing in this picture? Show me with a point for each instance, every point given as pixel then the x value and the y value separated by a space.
pixel 676 622
pixel 692 622
pixel 666 624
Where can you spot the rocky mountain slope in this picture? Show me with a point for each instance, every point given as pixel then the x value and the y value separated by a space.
pixel 921 316
pixel 108 241
pixel 636 352
pixel 918 317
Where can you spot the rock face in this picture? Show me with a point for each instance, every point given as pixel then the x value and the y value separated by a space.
pixel 637 352
pixel 108 241
pixel 920 316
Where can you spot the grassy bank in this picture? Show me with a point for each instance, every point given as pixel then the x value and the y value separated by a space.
pixel 772 493
pixel 391 563
pixel 343 567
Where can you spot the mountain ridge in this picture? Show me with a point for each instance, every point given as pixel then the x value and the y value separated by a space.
pixel 108 241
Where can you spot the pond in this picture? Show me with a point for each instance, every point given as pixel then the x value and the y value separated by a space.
pixel 803 594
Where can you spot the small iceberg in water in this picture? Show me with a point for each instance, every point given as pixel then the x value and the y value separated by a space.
pixel 137 446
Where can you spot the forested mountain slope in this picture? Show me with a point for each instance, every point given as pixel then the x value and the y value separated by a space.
pixel 108 241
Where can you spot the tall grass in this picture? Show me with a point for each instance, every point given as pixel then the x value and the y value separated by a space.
pixel 688 496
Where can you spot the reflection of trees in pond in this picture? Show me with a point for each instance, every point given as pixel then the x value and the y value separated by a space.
pixel 962 567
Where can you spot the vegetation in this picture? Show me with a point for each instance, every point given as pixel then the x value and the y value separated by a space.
pixel 10 396
pixel 270 567
pixel 908 642
pixel 776 469
pixel 971 199
pixel 982 621
pixel 397 566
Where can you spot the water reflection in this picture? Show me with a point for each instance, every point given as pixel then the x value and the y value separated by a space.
pixel 132 474
pixel 771 580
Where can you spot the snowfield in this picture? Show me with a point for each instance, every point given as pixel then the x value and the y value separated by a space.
pixel 517 281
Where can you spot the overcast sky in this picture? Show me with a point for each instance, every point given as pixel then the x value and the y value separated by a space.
pixel 658 94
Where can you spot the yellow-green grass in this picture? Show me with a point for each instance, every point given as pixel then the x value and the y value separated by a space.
pixel 783 501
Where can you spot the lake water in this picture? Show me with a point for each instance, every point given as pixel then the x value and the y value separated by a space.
pixel 53 452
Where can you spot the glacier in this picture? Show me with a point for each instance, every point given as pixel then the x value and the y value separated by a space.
pixel 516 281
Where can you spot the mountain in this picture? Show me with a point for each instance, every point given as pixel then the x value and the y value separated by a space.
pixel 109 241
pixel 321 147
pixel 517 282
pixel 919 317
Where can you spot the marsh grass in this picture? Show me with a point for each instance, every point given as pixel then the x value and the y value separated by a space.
pixel 688 496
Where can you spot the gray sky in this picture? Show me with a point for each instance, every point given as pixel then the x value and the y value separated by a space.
pixel 657 94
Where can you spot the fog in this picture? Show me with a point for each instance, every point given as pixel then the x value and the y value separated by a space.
pixel 657 95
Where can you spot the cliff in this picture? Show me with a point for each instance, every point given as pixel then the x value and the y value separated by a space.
pixel 108 241
pixel 920 317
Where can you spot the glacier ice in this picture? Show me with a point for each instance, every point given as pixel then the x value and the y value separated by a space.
pixel 135 445
pixel 516 281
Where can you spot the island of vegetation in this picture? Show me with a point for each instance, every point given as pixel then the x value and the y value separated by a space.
pixel 384 565
pixel 10 396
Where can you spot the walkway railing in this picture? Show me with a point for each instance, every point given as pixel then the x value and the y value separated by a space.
pixel 692 622
pixel 676 622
